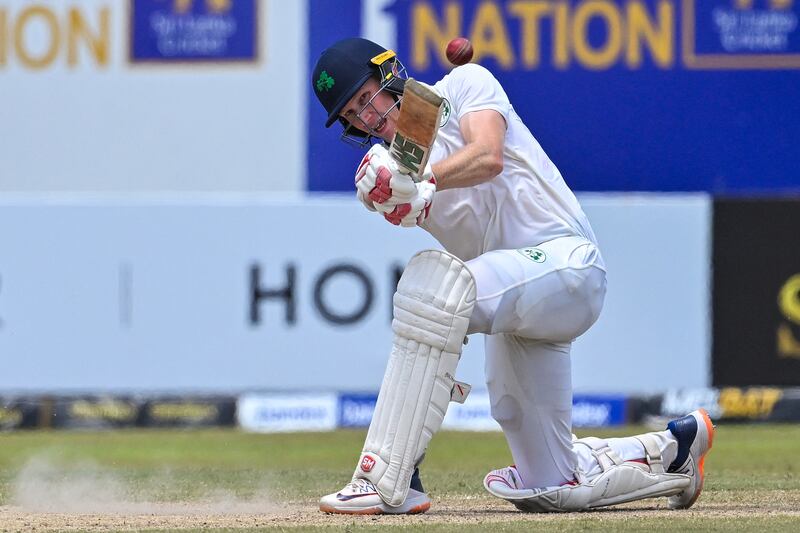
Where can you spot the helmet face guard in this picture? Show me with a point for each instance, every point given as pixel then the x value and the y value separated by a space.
pixel 341 71
pixel 392 75
pixel 358 133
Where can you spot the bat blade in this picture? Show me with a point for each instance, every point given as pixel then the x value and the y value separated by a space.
pixel 417 127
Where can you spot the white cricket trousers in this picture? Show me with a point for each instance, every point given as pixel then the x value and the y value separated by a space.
pixel 532 303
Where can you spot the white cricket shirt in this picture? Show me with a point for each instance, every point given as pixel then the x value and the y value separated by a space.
pixel 526 205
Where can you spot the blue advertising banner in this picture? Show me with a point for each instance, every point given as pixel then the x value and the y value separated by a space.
pixel 588 410
pixel 598 411
pixel 169 31
pixel 624 95
pixel 355 410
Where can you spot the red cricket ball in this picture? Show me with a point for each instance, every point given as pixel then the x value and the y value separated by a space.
pixel 459 51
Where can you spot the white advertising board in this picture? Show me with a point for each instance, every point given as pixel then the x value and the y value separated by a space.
pixel 655 328
pixel 275 413
pixel 152 95
pixel 233 294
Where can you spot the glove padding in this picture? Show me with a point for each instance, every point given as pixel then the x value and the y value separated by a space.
pixel 378 179
pixel 413 213
pixel 382 186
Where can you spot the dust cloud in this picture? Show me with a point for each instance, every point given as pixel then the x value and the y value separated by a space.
pixel 46 486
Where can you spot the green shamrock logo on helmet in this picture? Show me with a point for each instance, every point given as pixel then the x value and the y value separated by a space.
pixel 325 82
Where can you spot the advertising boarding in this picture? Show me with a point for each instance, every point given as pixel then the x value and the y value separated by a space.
pixel 623 95
pixel 213 298
pixel 152 96
pixel 756 292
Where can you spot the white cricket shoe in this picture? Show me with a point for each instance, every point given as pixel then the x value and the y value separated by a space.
pixel 695 434
pixel 360 497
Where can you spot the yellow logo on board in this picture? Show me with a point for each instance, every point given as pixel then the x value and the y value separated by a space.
pixel 789 304
pixel 531 34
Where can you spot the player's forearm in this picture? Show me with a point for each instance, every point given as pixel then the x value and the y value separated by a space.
pixel 472 165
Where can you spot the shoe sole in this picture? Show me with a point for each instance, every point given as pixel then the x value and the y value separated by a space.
pixel 417 509
pixel 701 462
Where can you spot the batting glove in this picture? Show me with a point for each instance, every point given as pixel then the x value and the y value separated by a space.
pixel 414 212
pixel 379 180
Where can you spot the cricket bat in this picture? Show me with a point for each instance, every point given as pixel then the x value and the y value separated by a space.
pixel 417 126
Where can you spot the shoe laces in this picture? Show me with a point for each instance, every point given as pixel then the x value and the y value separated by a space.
pixel 360 485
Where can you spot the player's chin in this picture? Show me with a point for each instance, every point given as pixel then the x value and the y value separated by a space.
pixel 386 131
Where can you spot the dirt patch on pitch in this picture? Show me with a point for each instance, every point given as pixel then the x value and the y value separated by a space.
pixel 463 511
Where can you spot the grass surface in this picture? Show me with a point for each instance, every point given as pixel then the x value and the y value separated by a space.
pixel 753 478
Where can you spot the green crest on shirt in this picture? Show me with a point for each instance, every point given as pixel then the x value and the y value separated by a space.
pixel 536 255
pixel 445 113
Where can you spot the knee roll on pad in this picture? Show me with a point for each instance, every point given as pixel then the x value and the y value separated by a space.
pixel 432 307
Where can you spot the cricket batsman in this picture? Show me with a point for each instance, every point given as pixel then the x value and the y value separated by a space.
pixel 520 264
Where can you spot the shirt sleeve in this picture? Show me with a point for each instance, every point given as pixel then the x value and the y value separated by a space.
pixel 473 88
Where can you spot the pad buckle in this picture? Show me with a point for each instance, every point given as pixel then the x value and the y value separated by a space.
pixel 460 391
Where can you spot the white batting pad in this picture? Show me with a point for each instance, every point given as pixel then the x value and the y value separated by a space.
pixel 616 481
pixel 432 306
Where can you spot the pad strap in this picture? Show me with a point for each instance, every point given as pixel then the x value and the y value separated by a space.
pixel 652 453
pixel 605 456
